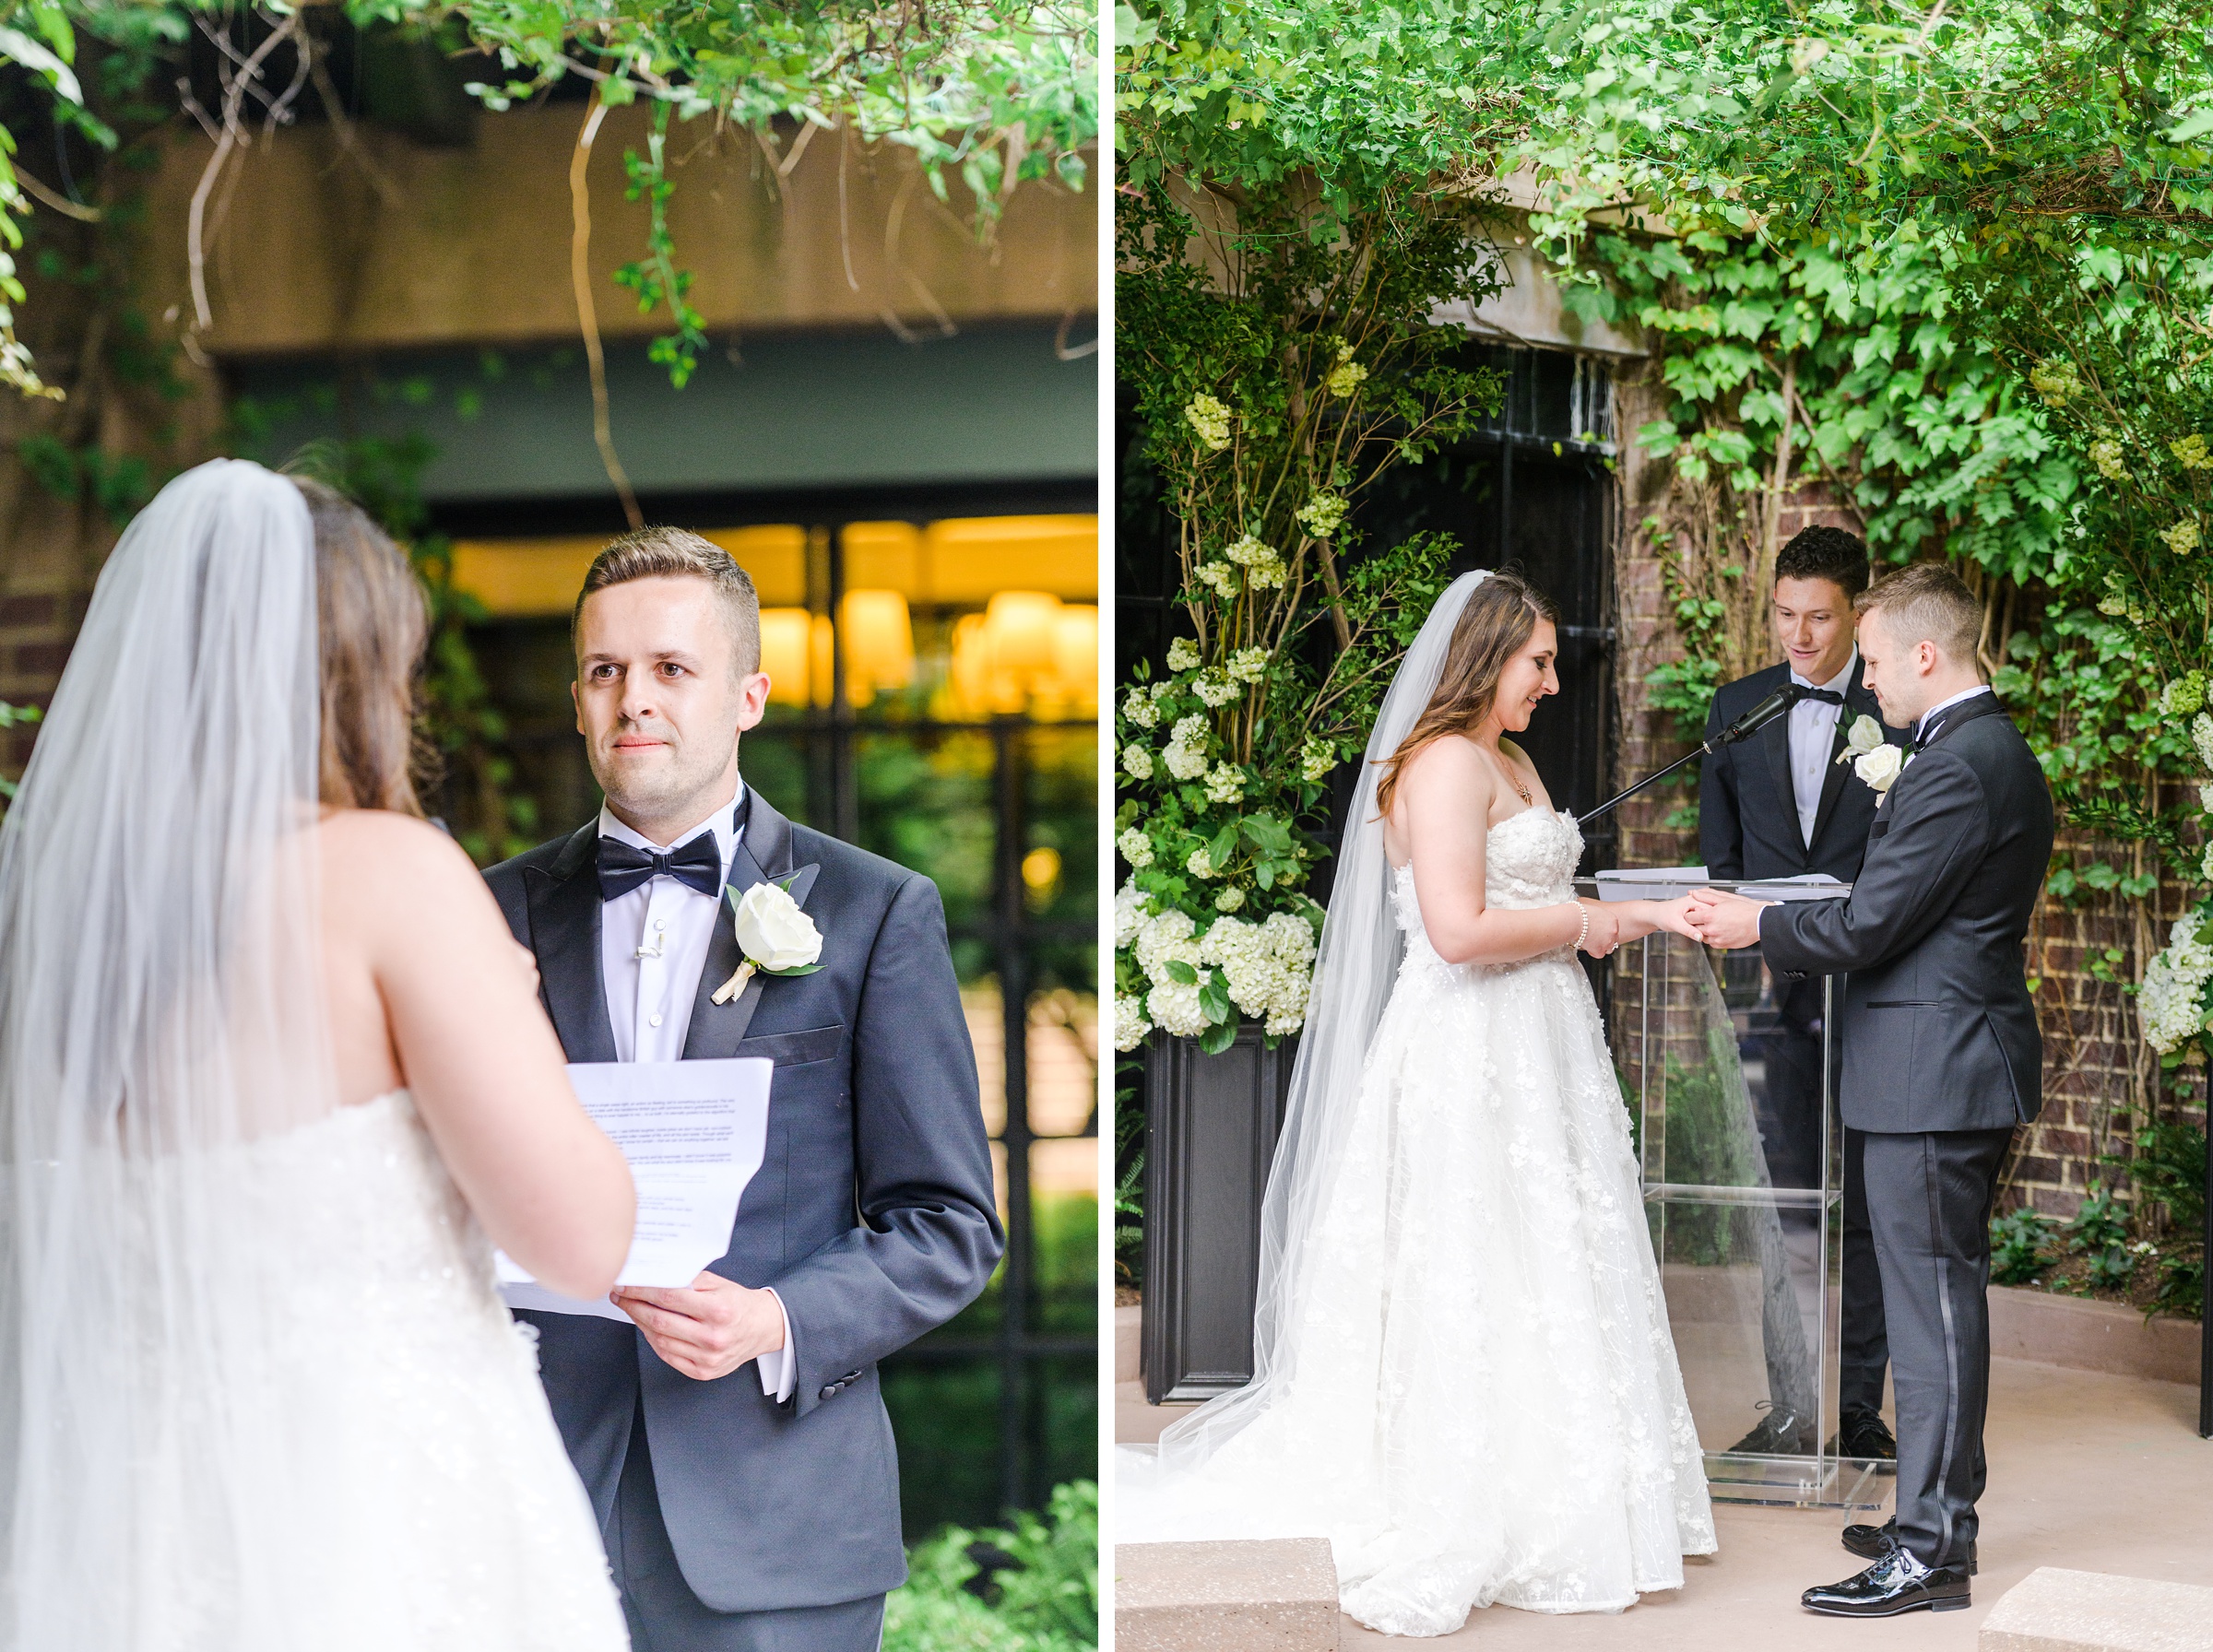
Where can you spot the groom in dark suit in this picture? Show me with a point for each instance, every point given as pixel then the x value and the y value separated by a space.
pixel 1780 805
pixel 731 1436
pixel 1946 1057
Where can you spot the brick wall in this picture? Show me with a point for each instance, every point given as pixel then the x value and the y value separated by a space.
pixel 2097 1069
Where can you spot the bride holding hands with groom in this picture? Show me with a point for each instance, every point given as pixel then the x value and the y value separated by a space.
pixel 275 1078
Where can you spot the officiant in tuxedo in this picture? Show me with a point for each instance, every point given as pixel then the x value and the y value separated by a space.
pixel 733 1437
pixel 1945 1058
pixel 1780 805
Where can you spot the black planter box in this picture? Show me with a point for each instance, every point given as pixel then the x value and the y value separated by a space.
pixel 1211 1125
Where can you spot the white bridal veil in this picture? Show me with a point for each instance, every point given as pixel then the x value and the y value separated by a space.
pixel 160 1012
pixel 1353 976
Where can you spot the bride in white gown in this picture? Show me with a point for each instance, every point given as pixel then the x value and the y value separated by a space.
pixel 1465 1376
pixel 273 1077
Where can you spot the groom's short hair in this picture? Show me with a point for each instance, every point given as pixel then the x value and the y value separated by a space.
pixel 1926 602
pixel 674 552
pixel 1824 552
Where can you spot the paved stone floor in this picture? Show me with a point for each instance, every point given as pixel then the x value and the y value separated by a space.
pixel 2092 1472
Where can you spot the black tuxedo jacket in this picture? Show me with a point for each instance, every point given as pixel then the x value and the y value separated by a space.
pixel 1937 1020
pixel 1747 808
pixel 872 1214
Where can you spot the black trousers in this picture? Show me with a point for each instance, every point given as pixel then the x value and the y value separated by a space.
pixel 1790 1128
pixel 1929 1202
pixel 666 1616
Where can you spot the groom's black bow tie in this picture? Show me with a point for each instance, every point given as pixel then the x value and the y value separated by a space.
pixel 696 863
pixel 1825 696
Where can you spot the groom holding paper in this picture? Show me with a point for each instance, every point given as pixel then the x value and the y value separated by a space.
pixel 732 1438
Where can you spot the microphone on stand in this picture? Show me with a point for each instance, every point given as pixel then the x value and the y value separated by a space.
pixel 1744 728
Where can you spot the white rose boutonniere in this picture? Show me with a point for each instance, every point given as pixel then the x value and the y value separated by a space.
pixel 776 936
pixel 1864 736
pixel 1880 767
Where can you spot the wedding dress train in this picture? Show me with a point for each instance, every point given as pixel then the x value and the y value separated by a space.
pixel 1485 1405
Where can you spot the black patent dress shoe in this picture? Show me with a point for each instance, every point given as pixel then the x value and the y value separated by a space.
pixel 1894 1583
pixel 1781 1433
pixel 1867 1437
pixel 1872 1542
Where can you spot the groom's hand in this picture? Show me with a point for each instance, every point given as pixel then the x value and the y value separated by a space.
pixel 708 1328
pixel 1727 920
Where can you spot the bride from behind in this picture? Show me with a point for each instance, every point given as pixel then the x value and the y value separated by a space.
pixel 1464 1377
pixel 273 1079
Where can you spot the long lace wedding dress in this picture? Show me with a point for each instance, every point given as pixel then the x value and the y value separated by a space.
pixel 1474 1393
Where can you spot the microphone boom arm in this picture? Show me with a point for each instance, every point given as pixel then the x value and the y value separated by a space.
pixel 1745 727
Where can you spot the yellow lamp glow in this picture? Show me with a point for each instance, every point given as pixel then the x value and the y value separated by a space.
pixel 880 643
pixel 1021 625
pixel 783 634
pixel 1076 654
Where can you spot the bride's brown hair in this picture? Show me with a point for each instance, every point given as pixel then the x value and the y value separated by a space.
pixel 1500 616
pixel 370 624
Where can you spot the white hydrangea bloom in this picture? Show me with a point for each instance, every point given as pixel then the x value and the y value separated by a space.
pixel 1138 708
pixel 1137 762
pixel 2190 451
pixel 1219 577
pixel 1248 665
pixel 1229 900
pixel 1348 375
pixel 1214 688
pixel 1186 753
pixel 1323 514
pixel 2182 538
pixel 2205 864
pixel 1130 910
pixel 2201 735
pixel 1315 759
pixel 1160 691
pixel 2106 455
pixel 1247 550
pixel 1210 418
pixel 1130 1023
pixel 1226 784
pixel 1183 655
pixel 2172 1003
pixel 1136 847
pixel 1176 1008
pixel 1200 864
pixel 1267 967
pixel 1165 938
pixel 2205 798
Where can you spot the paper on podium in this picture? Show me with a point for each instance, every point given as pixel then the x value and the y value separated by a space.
pixel 695 1133
pixel 1664 883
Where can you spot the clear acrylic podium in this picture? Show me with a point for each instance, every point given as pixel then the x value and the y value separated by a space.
pixel 1730 1077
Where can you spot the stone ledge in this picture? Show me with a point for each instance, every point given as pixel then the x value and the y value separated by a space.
pixel 2091 1336
pixel 2055 1610
pixel 1278 1596
pixel 1129 1327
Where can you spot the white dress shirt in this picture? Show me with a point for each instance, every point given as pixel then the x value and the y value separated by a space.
pixel 1921 727
pixel 653 949
pixel 1813 743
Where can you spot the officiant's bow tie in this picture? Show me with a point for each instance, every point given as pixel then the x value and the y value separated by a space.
pixel 1825 696
pixel 696 865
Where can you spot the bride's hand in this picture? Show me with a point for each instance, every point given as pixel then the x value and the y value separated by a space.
pixel 1606 929
pixel 1673 916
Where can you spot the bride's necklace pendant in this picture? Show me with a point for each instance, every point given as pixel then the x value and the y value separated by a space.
pixel 1514 780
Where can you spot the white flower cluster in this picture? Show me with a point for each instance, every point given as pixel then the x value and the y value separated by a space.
pixel 2190 453
pixel 2172 1003
pixel 1137 762
pixel 1213 686
pixel 1315 759
pixel 1210 418
pixel 1263 565
pixel 1226 784
pixel 2055 381
pixel 1163 938
pixel 1268 966
pixel 1183 655
pixel 1138 708
pixel 2201 735
pixel 2184 696
pixel 1199 863
pixel 1186 753
pixel 1136 847
pixel 1248 665
pixel 1220 578
pixel 1229 900
pixel 2105 453
pixel 1348 375
pixel 1324 513
pixel 1130 910
pixel 2182 538
pixel 1130 1023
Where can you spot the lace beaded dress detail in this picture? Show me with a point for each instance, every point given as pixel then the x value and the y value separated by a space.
pixel 1486 1407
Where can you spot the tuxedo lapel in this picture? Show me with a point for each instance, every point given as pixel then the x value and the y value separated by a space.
pixel 1858 704
pixel 565 933
pixel 1967 711
pixel 1775 742
pixel 763 856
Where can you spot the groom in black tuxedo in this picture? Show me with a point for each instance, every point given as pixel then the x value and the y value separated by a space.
pixel 1946 1057
pixel 1780 805
pixel 731 1436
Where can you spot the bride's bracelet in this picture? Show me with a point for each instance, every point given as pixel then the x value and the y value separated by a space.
pixel 1585 934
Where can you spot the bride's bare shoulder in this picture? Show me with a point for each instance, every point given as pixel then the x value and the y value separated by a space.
pixel 390 860
pixel 1450 764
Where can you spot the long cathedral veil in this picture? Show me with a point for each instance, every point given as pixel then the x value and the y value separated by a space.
pixel 160 1014
pixel 1353 973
